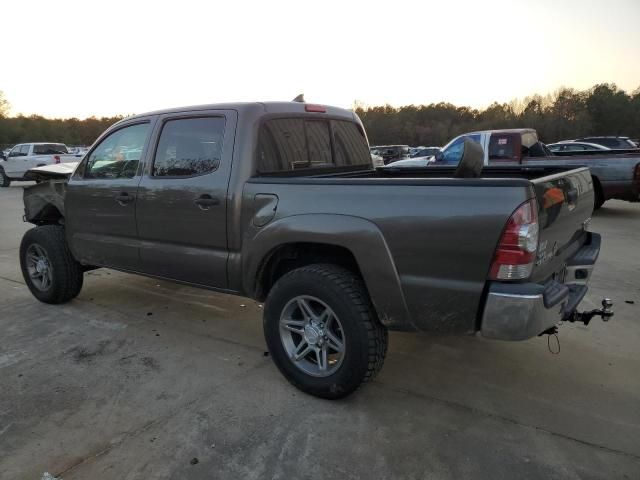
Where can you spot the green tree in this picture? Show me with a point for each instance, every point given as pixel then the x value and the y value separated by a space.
pixel 564 114
pixel 4 105
pixel 610 109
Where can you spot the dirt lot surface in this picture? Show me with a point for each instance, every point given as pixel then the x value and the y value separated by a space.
pixel 141 379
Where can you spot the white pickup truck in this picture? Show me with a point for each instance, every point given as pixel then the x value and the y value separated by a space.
pixel 25 156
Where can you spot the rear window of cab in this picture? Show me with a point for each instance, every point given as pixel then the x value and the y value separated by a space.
pixel 298 144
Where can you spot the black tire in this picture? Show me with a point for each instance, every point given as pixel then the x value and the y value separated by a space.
pixel 599 196
pixel 365 338
pixel 66 274
pixel 4 180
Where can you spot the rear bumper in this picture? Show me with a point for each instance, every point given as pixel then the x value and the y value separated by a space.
pixel 518 311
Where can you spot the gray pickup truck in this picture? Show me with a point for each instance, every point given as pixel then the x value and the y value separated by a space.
pixel 615 173
pixel 278 202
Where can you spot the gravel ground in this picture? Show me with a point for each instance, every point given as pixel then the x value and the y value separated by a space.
pixel 142 379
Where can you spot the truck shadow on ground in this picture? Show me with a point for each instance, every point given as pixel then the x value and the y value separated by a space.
pixel 616 210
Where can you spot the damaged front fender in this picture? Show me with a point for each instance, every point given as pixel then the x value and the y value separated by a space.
pixel 44 202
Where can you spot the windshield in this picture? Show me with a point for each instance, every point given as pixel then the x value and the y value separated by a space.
pixel 452 152
pixel 425 152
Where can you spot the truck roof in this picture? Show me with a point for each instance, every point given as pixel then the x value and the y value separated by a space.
pixel 506 130
pixel 253 107
pixel 40 143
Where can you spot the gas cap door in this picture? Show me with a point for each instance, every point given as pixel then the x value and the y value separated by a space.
pixel 264 208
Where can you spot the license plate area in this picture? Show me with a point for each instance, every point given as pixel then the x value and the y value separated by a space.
pixel 561 275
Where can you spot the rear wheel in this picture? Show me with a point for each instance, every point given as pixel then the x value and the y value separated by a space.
pixel 48 268
pixel 322 330
pixel 599 196
pixel 4 180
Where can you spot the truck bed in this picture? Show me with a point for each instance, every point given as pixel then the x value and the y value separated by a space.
pixel 441 172
pixel 442 231
pixel 488 172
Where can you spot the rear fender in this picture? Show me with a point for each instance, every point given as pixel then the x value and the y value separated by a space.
pixel 361 237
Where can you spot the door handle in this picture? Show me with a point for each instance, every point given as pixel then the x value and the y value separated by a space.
pixel 205 201
pixel 124 198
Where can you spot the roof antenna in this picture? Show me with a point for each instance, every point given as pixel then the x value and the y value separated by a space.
pixel 299 98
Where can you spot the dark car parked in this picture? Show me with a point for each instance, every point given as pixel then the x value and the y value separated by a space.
pixel 575 146
pixel 613 142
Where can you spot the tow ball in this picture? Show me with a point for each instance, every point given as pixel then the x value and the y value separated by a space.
pixel 605 312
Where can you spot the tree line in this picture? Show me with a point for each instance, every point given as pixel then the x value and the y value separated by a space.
pixel 565 114
pixel 35 128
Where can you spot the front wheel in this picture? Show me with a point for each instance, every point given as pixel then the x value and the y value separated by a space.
pixel 322 330
pixel 48 268
pixel 4 180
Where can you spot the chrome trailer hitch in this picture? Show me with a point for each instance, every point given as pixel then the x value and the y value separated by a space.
pixel 605 312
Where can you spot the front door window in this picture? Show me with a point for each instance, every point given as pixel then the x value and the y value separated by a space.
pixel 118 155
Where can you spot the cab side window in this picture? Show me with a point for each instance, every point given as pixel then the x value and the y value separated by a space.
pixel 118 155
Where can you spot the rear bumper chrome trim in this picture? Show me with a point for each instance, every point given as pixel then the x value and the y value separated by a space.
pixel 518 311
pixel 518 317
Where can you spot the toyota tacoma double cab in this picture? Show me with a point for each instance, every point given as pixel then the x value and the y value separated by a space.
pixel 279 202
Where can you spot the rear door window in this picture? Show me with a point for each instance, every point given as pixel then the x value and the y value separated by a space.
pixel 576 148
pixel 607 142
pixel 49 149
pixel 189 147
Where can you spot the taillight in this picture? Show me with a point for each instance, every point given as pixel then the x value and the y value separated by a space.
pixel 516 252
pixel 314 108
pixel 56 158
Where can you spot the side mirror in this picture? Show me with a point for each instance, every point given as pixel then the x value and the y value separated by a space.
pixel 439 156
pixel 3 157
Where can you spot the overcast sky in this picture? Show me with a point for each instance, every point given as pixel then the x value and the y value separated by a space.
pixel 65 58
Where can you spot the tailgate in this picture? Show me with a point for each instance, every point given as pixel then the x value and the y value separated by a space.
pixel 565 204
